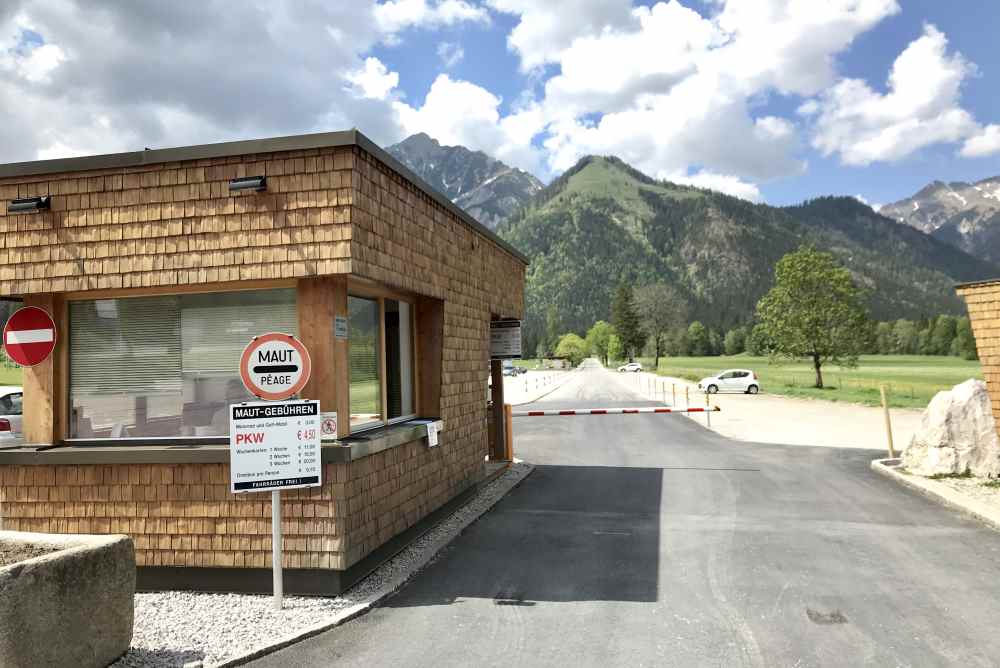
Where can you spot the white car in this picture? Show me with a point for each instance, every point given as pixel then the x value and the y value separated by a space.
pixel 731 380
pixel 634 367
pixel 10 411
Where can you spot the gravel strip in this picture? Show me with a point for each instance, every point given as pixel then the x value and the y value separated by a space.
pixel 176 628
pixel 975 488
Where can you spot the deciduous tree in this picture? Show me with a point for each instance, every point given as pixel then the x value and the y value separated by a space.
pixel 735 341
pixel 660 308
pixel 598 339
pixel 616 351
pixel 572 347
pixel 698 342
pixel 815 311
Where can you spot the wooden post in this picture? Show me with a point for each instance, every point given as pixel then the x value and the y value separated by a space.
pixel 888 422
pixel 46 397
pixel 320 301
pixel 508 416
pixel 496 372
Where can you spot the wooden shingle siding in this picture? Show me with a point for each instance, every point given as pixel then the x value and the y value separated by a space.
pixel 983 303
pixel 177 224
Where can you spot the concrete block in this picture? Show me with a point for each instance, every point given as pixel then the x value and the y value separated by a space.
pixel 72 606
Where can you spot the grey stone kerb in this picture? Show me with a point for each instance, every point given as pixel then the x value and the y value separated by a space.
pixel 71 607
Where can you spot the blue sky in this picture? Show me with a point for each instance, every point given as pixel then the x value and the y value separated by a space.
pixel 772 100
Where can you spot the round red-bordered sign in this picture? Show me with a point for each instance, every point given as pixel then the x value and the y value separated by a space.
pixel 275 366
pixel 29 336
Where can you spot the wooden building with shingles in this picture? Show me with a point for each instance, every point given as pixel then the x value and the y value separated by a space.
pixel 982 298
pixel 157 272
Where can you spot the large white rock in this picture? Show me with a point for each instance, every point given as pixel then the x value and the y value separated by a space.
pixel 957 434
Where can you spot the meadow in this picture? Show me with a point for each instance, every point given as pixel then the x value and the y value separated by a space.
pixel 911 380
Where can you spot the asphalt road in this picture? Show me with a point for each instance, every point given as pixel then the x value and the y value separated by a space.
pixel 647 540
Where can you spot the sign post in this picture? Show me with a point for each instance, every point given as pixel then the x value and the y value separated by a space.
pixel 29 336
pixel 277 577
pixel 275 444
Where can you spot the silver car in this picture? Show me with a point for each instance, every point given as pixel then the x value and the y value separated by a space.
pixel 731 380
pixel 10 411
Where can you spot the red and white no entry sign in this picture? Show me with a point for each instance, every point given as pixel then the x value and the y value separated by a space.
pixel 275 366
pixel 29 336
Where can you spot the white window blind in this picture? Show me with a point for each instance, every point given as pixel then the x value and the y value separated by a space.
pixel 124 346
pixel 166 366
pixel 124 355
pixel 215 328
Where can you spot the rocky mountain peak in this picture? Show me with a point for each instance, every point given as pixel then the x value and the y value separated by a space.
pixel 486 188
pixel 966 215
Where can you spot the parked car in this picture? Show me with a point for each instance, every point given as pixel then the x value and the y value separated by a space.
pixel 10 411
pixel 634 367
pixel 731 380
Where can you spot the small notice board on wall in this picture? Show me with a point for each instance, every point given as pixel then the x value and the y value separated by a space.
pixel 505 339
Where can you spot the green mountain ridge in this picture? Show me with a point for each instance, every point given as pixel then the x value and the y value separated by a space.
pixel 603 222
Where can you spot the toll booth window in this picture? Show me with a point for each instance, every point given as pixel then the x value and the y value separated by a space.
pixel 166 366
pixel 364 345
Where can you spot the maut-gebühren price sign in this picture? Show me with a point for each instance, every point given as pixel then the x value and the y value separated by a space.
pixel 274 445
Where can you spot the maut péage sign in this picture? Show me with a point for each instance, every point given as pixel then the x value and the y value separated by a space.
pixel 158 268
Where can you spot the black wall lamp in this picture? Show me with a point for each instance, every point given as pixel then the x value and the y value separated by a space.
pixel 255 183
pixel 29 204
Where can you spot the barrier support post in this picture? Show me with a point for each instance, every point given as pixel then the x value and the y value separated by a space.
pixel 888 422
pixel 687 397
pixel 673 394
pixel 708 410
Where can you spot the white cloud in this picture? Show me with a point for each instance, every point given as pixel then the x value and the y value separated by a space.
pixel 450 53
pixel 104 77
pixel 920 108
pixel 460 112
pixel 983 143
pixel 674 92
pixel 863 200
pixel 791 45
pixel 546 28
pixel 373 80
pixel 723 183
pixel 40 62
pixel 608 71
pixel 397 15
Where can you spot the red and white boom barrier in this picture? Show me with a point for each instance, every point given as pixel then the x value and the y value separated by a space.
pixel 613 411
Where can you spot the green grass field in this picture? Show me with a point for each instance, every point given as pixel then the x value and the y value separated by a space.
pixel 10 375
pixel 910 380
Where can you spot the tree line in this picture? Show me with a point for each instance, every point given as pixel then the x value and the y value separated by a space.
pixel 815 311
